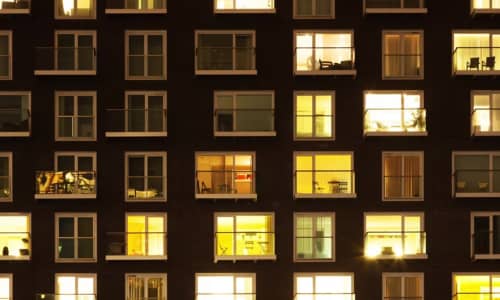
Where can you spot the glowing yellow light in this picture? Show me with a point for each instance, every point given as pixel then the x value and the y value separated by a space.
pixel 372 251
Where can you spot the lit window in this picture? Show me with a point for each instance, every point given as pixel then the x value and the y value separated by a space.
pixel 146 55
pixel 75 287
pixel 485 235
pixel 75 9
pixel 403 176
pixel 75 116
pixel 471 286
pixel 225 53
pixel 324 174
pixel 323 286
pixel 15 113
pixel 314 9
pixel 324 53
pixel 398 286
pixel 314 237
pixel 394 113
pixel 146 176
pixel 485 113
pixel 5 55
pixel 314 115
pixel 145 114
pixel 5 286
pixel 225 286
pixel 146 286
pixel 5 176
pixel 136 7
pixel 244 6
pixel 76 237
pixel 476 174
pixel 474 53
pixel 244 236
pixel 394 235
pixel 15 7
pixel 15 236
pixel 225 175
pixel 485 6
pixel 394 6
pixel 403 55
pixel 244 113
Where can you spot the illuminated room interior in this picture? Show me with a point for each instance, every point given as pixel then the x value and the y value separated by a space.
pixel 145 235
pixel 15 235
pixel 314 116
pixel 225 174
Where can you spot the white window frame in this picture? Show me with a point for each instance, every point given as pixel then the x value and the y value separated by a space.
pixel 314 16
pixel 244 10
pixel 75 95
pixel 402 33
pixel 401 10
pixel 145 34
pixel 9 156
pixel 313 275
pixel 490 215
pixel 488 93
pixel 15 11
pixel 75 217
pixel 314 215
pixel 490 10
pixel 489 274
pixel 22 257
pixel 130 11
pixel 233 33
pixel 402 154
pixel 10 278
pixel 454 72
pixel 234 95
pixel 76 276
pixel 401 276
pixel 234 275
pixel 18 133
pixel 314 94
pixel 488 194
pixel 93 15
pixel 10 54
pixel 145 276
pixel 146 155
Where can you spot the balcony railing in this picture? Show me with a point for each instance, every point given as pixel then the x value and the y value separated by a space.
pixel 44 296
pixel 325 59
pixel 15 245
pixel 398 187
pixel 399 4
pixel 64 184
pixel 245 120
pixel 312 247
pixel 14 121
pixel 225 59
pixel 336 296
pixel 395 243
pixel 136 245
pixel 141 6
pixel 327 182
pixel 476 295
pixel 145 187
pixel 136 122
pixel 476 60
pixel 476 181
pixel 403 65
pixel 15 7
pixel 65 61
pixel 235 183
pixel 486 121
pixel 404 298
pixel 241 244
pixel 395 121
pixel 485 243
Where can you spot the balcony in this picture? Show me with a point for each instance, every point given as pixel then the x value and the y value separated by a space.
pixel 225 184
pixel 485 7
pixel 324 184
pixel 15 7
pixel 136 7
pixel 225 61
pixel 403 66
pixel 485 122
pixel 44 296
pixel 244 246
pixel 395 244
pixel 325 61
pixel 65 185
pixel 395 121
pixel 403 187
pixel 244 122
pixel 136 246
pixel 394 7
pixel 65 61
pixel 15 122
pixel 485 245
pixel 476 61
pixel 136 122
pixel 15 245
pixel 476 183
pixel 493 295
pixel 336 296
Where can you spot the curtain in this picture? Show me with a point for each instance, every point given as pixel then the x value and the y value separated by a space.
pixel 135 288
pixel 411 52
pixel 411 176
pixel 392 176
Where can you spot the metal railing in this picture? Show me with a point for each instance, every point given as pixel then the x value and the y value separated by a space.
pixel 14 120
pixel 477 59
pixel 66 182
pixel 15 244
pixel 244 243
pixel 476 295
pixel 399 4
pixel 325 181
pixel 324 58
pixel 65 59
pixel 225 182
pixel 44 296
pixel 476 181
pixel 336 296
pixel 136 120
pixel 395 120
pixel 395 243
pixel 250 119
pixel 225 58
pixel 485 242
pixel 145 187
pixel 15 4
pixel 403 65
pixel 136 4
pixel 136 243
pixel 479 114
pixel 410 186
pixel 315 245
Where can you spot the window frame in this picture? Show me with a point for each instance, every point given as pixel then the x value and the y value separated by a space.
pixel 488 93
pixel 314 215
pixel 10 157
pixel 18 133
pixel 145 34
pixel 133 11
pixel 314 94
pixel 75 217
pixel 313 276
pixel 234 275
pixel 401 33
pixel 76 276
pixel 10 54
pixel 244 11
pixel 402 154
pixel 489 274
pixel 28 218
pixel 16 11
pixel 75 95
pixel 76 71
pixel 146 276
pixel 490 215
pixel 490 10
pixel 93 15
pixel 402 276
pixel 400 10
pixel 454 70
pixel 296 16
pixel 147 215
pixel 146 155
pixel 10 278
pixel 488 194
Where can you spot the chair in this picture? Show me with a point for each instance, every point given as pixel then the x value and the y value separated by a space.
pixel 204 188
pixel 325 65
pixel 473 63
pixel 483 186
pixel 489 63
pixel 461 185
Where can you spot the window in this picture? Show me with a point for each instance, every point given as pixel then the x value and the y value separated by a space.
pixel 244 113
pixel 323 286
pixel 244 236
pixel 485 6
pixel 324 53
pixel 146 55
pixel 76 286
pixel 403 56
pixel 75 9
pixel 474 53
pixel 5 54
pixel 5 176
pixel 395 113
pixel 225 53
pixel 144 115
pixel 225 286
pixel 485 113
pixel 145 238
pixel 476 174
pixel 136 7
pixel 394 6
pixel 15 113
pixel 314 9
pixel 324 174
pixel 485 235
pixel 146 176
pixel 15 7
pixel 75 116
pixel 471 286
pixel 6 286
pixel 399 235
pixel 244 6
pixel 225 175
pixel 314 237
pixel 15 236
pixel 76 237
pixel 398 286
pixel 314 115
pixel 146 286
pixel 74 177
pixel 403 176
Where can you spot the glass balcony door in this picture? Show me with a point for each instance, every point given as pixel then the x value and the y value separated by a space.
pixel 486 113
pixel 75 51
pixel 145 113
pixel 402 54
pixel 146 235
pixel 146 287
pixel 314 237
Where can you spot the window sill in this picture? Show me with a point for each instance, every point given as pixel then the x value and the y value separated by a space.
pixel 15 134
pixel 295 17
pixel 477 195
pixel 24 258
pixel 246 11
pixel 324 196
pixel 327 73
pixel 14 11
pixel 142 200
pixel 395 10
pixel 226 72
pixel 395 133
pixel 135 134
pixel 226 196
pixel 416 256
pixel 406 199
pixel 65 196
pixel 75 260
pixel 485 11
pixel 244 133
pixel 131 11
pixel 313 260
pixel 135 257
pixel 244 257
pixel 65 72
pixel 298 139
pixel 476 73
pixel 486 133
pixel 486 256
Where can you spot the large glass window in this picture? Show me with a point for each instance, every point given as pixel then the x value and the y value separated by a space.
pixel 15 114
pixel 314 236
pixel 6 286
pixel 485 235
pixel 244 236
pixel 225 286
pixel 146 235
pixel 403 175
pixel 317 9
pixel 472 286
pixel 146 286
pixel 394 6
pixel 5 55
pixel 398 286
pixel 15 236
pixel 15 6
pixel 75 116
pixel 476 174
pixel 76 286
pixel 146 55
pixel 76 237
pixel 75 51
pixel 146 176
pixel 475 52
pixel 403 55
pixel 336 286
pixel 314 115
pixel 485 113
pixel 75 9
pixel 5 176
pixel 241 6
pixel 136 6
pixel 487 6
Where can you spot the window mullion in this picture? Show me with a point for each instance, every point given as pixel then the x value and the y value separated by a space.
pixel 403 232
pixel 75 116
pixel 314 116
pixel 75 51
pixel 490 96
pixel 75 236
pixel 234 96
pixel 146 49
pixel 490 234
pixel 233 51
pixel 146 236
pixel 146 112
pixel 234 233
pixel 146 168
